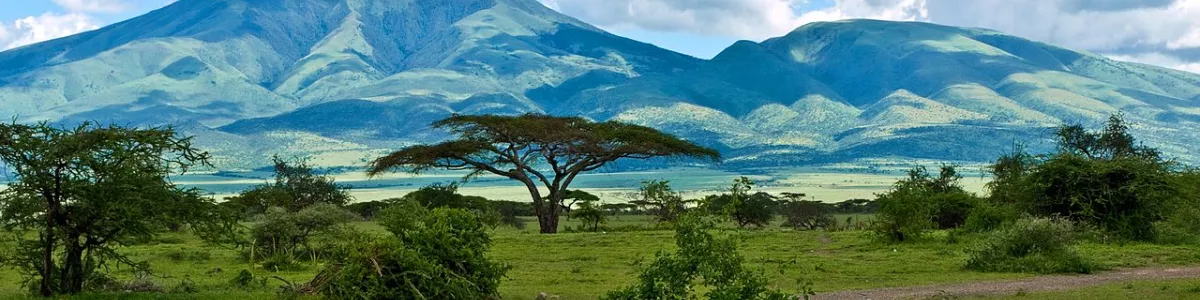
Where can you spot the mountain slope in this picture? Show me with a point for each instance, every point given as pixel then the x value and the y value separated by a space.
pixel 342 79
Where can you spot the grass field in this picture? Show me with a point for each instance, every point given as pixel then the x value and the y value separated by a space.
pixel 586 265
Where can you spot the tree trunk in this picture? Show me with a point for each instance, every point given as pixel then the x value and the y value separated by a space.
pixel 46 290
pixel 548 218
pixel 72 269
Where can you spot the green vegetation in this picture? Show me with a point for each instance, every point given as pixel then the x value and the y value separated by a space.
pixel 1031 246
pixel 81 194
pixel 1099 202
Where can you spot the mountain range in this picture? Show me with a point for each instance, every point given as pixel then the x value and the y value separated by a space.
pixel 343 80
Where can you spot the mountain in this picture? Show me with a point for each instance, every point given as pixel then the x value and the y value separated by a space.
pixel 341 80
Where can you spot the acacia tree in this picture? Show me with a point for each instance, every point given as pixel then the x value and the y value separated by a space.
pixel 77 194
pixel 545 153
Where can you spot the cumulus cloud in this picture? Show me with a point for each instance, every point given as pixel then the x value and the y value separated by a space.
pixel 94 6
pixel 47 26
pixel 1104 26
pixel 747 19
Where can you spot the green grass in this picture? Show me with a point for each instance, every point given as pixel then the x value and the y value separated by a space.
pixel 586 265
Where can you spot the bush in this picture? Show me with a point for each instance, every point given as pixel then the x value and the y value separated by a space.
pixel 440 254
pixel 807 215
pixel 951 210
pixel 989 217
pixel 367 210
pixel 1040 245
pixel 281 233
pixel 903 215
pixel 703 264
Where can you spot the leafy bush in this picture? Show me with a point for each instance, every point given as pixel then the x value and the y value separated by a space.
pixel 1039 245
pixel 280 234
pixel 296 187
pixel 744 208
pixel 951 210
pixel 1105 179
pixel 367 210
pixel 704 264
pixel 922 202
pixel 988 217
pixel 590 215
pixel 904 215
pixel 658 199
pixel 439 254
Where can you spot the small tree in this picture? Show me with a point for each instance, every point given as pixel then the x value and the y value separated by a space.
pixel 281 233
pixel 805 214
pixel 296 187
pixel 658 199
pixel 81 193
pixel 538 150
pixel 590 215
pixel 743 207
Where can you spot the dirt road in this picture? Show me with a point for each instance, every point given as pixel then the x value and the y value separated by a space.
pixel 1035 284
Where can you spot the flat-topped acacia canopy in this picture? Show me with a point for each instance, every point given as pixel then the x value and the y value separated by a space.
pixel 538 148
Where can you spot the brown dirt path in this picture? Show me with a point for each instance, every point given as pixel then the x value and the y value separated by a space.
pixel 1002 287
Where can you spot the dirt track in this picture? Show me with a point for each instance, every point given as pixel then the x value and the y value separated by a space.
pixel 1001 287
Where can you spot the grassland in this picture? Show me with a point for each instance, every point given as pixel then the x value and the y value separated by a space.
pixel 585 265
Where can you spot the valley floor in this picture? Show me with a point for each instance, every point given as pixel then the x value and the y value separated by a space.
pixel 586 265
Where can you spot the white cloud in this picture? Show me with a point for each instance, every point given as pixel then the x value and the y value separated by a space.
pixel 1103 26
pixel 33 29
pixel 94 6
pixel 1160 60
pixel 745 19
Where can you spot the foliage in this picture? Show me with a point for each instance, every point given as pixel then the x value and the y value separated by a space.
pixel 280 233
pixel 1103 178
pixel 922 202
pixel 657 198
pixel 744 208
pixel 447 196
pixel 367 210
pixel 85 191
pixel 987 217
pixel 1038 245
pixel 951 210
pixel 590 214
pixel 703 263
pixel 516 147
pixel 856 206
pixel 1182 221
pixel 441 255
pixel 511 212
pixel 296 187
pixel 806 214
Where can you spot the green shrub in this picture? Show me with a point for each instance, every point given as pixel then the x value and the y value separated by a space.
pixel 990 217
pixel 1039 245
pixel 951 210
pixel 441 255
pixel 903 215
pixel 703 265
pixel 284 233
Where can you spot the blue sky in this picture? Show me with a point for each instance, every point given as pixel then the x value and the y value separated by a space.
pixel 1159 32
